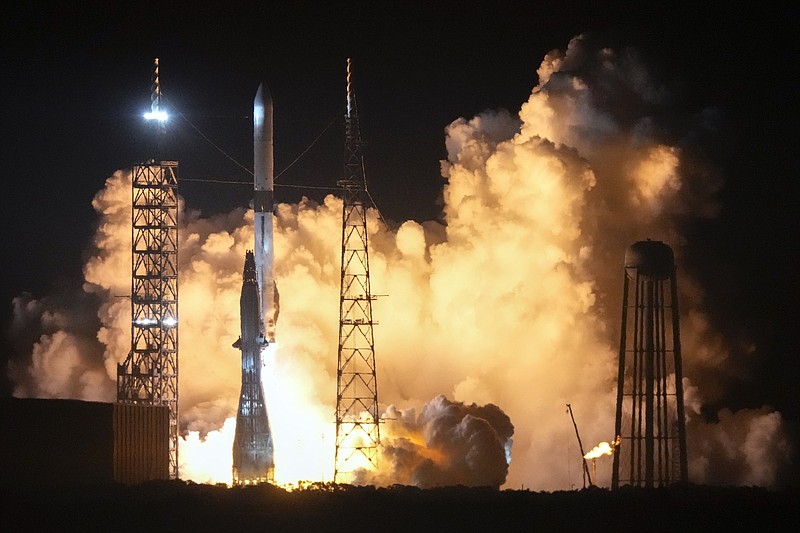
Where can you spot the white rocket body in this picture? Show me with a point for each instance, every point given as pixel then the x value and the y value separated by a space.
pixel 263 203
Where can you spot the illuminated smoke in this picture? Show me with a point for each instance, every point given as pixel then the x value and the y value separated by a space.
pixel 449 443
pixel 514 302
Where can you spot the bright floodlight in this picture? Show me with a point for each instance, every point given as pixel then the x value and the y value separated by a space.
pixel 169 322
pixel 160 116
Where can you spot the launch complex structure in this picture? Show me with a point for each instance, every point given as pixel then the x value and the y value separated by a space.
pixel 357 417
pixel 149 374
pixel 650 443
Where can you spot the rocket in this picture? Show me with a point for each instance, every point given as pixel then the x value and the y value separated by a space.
pixel 263 202
pixel 253 460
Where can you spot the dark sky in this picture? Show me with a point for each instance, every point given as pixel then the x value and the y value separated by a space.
pixel 77 80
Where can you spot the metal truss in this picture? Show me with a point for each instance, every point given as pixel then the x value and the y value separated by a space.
pixel 149 374
pixel 357 417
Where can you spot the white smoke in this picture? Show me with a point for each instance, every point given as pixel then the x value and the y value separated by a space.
pixel 512 304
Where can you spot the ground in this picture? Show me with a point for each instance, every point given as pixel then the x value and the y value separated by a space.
pixel 185 506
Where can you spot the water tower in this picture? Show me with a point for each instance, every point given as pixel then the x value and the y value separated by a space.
pixel 650 418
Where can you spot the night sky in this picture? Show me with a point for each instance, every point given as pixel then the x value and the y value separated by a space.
pixel 77 80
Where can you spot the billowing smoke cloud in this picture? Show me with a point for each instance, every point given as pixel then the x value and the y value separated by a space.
pixel 512 304
pixel 66 360
pixel 748 447
pixel 449 443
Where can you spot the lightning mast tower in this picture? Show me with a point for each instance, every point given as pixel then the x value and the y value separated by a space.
pixel 650 422
pixel 357 418
pixel 149 374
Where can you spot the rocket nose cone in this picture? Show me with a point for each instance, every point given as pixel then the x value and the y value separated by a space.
pixel 263 95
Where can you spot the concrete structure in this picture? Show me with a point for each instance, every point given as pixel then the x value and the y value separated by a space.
pixel 72 442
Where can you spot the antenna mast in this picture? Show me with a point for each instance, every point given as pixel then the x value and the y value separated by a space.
pixel 580 446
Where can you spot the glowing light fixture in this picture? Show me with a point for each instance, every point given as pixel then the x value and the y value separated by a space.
pixel 158 115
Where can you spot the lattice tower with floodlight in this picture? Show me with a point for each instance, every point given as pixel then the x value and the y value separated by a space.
pixel 149 374
pixel 357 417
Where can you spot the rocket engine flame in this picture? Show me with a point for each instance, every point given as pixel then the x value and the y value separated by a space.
pixel 514 303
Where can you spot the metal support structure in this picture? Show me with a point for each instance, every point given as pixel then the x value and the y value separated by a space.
pixel 155 104
pixel 580 447
pixel 357 417
pixel 149 375
pixel 650 421
pixel 253 454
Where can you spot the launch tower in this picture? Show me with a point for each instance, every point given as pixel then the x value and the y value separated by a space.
pixel 357 420
pixel 650 419
pixel 149 374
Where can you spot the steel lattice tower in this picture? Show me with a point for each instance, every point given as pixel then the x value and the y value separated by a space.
pixel 253 460
pixel 149 374
pixel 650 418
pixel 357 419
